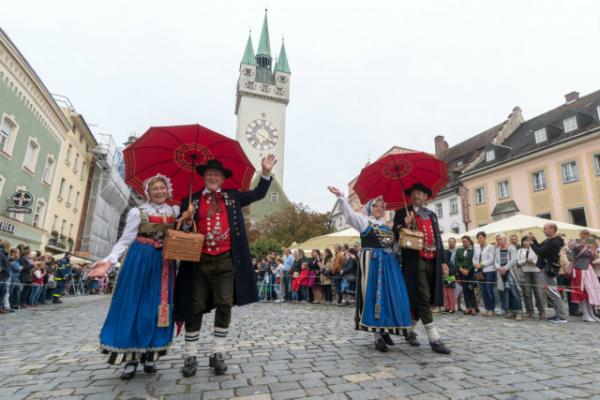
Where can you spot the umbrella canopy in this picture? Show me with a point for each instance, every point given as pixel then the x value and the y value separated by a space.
pixel 393 174
pixel 348 236
pixel 175 151
pixel 521 224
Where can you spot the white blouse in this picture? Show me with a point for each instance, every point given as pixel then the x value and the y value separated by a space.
pixel 357 220
pixel 132 225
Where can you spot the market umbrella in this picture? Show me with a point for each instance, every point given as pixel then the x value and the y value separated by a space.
pixel 391 175
pixel 175 151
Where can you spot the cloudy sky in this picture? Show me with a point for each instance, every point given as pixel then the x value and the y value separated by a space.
pixel 365 75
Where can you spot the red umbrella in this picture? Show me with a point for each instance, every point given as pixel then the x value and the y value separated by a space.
pixel 391 175
pixel 175 151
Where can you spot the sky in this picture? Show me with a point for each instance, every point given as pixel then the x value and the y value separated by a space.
pixel 365 75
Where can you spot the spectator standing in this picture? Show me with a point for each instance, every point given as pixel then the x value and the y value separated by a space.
pixel 37 282
pixel 279 282
pixel 464 265
pixel 336 271
pixel 584 283
pixel 326 275
pixel 15 278
pixel 506 261
pixel 26 275
pixel 483 259
pixel 349 273
pixel 4 274
pixel 288 263
pixel 530 279
pixel 549 263
pixel 315 276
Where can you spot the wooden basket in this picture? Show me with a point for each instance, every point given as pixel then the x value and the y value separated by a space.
pixel 411 239
pixel 183 246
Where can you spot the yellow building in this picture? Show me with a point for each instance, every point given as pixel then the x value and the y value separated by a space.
pixel 548 167
pixel 70 189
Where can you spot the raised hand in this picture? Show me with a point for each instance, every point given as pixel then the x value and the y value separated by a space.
pixel 335 191
pixel 267 164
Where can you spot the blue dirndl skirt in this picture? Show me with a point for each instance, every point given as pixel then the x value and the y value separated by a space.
pixel 381 297
pixel 131 330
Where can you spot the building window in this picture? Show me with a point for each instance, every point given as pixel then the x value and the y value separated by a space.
pixel 439 210
pixel 76 200
pixel 598 111
pixel 570 124
pixel 539 181
pixel 82 169
pixel 7 135
pixel 61 189
pixel 2 182
pixel 71 230
pixel 577 216
pixel 63 226
pixel 570 172
pixel 68 157
pixel 69 194
pixel 54 224
pixel 490 155
pixel 597 163
pixel 503 190
pixel 545 216
pixel 31 155
pixel 453 206
pixel 459 163
pixel 274 197
pixel 76 164
pixel 49 170
pixel 540 135
pixel 40 214
pixel 480 195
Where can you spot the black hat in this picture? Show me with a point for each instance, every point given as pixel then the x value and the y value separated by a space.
pixel 214 164
pixel 418 186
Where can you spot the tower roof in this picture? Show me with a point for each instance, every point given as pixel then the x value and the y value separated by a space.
pixel 264 45
pixel 249 52
pixel 282 61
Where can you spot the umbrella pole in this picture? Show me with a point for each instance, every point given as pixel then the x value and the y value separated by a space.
pixel 192 182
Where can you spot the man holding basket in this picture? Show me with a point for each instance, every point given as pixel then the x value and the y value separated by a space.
pixel 224 276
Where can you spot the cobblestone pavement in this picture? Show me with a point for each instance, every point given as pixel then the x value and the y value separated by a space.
pixel 288 351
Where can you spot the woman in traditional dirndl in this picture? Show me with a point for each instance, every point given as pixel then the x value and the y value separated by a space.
pixel 139 324
pixel 382 305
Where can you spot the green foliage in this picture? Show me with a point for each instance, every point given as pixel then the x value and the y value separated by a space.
pixel 294 223
pixel 261 247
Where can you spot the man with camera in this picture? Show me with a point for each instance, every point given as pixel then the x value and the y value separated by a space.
pixel 549 263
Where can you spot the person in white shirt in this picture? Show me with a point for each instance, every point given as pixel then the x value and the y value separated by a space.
pixel 483 259
pixel 530 279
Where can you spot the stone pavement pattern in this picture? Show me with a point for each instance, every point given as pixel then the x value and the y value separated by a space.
pixel 288 351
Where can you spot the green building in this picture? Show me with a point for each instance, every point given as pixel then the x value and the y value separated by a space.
pixel 32 129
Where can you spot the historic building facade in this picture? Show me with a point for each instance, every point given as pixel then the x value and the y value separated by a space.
pixel 262 96
pixel 548 167
pixel 66 212
pixel 32 131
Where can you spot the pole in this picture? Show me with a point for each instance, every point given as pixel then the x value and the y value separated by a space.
pixel 190 207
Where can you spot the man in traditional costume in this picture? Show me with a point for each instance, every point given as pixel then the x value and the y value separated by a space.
pixel 224 276
pixel 423 270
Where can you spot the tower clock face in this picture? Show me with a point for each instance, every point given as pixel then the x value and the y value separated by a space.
pixel 262 134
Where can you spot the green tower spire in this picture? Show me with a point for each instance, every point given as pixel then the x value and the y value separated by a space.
pixel 282 61
pixel 264 46
pixel 249 52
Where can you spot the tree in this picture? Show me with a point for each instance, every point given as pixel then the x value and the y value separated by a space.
pixel 261 247
pixel 294 223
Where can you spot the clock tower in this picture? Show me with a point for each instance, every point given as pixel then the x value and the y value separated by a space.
pixel 261 102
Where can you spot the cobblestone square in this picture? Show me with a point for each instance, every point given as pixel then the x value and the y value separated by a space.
pixel 290 351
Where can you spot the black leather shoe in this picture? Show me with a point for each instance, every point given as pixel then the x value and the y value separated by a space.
pixel 411 338
pixel 387 339
pixel 129 370
pixel 150 367
pixel 189 367
pixel 381 346
pixel 217 362
pixel 439 347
